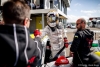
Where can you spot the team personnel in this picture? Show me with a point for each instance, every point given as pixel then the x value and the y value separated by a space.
pixel 81 44
pixel 17 49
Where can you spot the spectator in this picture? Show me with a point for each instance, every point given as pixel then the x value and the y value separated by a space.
pixel 37 6
pixel 27 1
pixel 81 44
pixel 33 6
pixel 17 48
pixel 41 6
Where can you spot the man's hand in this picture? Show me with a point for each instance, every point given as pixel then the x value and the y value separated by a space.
pixel 71 54
pixel 66 42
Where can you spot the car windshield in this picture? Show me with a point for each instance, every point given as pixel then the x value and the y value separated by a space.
pixel 73 24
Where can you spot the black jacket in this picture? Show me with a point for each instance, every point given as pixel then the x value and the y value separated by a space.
pixel 80 44
pixel 17 49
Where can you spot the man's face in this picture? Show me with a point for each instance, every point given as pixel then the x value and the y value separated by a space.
pixel 79 24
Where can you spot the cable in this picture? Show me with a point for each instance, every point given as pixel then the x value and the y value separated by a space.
pixel 79 58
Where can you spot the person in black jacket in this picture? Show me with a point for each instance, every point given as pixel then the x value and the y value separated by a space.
pixel 17 48
pixel 81 44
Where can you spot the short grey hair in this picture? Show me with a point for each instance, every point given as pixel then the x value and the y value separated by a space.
pixel 83 20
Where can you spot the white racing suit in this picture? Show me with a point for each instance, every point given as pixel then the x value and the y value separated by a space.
pixel 56 39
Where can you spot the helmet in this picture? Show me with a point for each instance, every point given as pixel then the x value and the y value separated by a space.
pixel 36 32
pixel 52 16
pixel 62 61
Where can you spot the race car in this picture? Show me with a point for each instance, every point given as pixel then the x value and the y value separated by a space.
pixel 96 47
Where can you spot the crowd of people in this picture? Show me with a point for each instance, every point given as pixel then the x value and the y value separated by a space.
pixel 18 49
pixel 32 5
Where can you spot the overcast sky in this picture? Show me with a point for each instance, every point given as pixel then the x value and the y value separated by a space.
pixel 83 9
